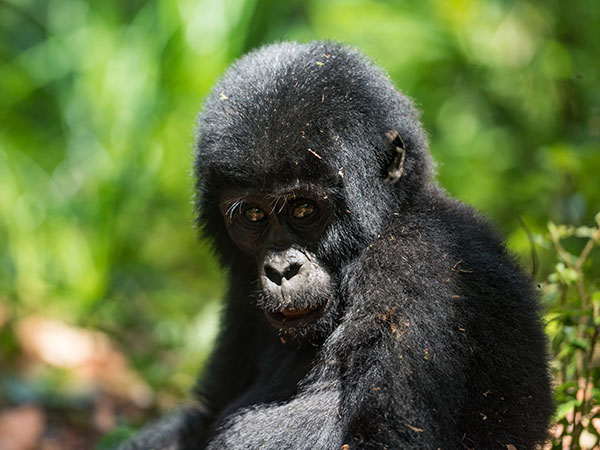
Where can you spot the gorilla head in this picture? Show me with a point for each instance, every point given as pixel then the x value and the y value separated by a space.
pixel 299 149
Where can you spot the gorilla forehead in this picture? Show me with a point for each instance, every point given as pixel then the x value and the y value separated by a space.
pixel 300 106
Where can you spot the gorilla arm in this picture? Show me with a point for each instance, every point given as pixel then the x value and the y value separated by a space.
pixel 442 339
pixel 309 421
pixel 400 389
pixel 360 394
pixel 366 389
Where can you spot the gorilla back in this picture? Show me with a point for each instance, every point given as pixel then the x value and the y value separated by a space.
pixel 365 309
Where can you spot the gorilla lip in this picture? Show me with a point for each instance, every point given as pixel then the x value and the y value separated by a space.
pixel 291 317
pixel 292 314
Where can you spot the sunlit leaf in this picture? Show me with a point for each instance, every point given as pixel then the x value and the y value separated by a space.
pixel 586 232
pixel 564 408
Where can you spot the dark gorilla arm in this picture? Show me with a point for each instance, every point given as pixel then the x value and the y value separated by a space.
pixel 179 430
pixel 459 329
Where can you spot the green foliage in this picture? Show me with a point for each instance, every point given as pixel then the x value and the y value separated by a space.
pixel 115 437
pixel 572 294
pixel 97 114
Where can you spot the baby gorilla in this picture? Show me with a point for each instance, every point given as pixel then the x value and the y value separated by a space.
pixel 365 308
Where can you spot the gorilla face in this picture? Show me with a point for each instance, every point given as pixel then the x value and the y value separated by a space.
pixel 281 232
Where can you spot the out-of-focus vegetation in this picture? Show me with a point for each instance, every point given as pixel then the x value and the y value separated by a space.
pixel 574 327
pixel 108 302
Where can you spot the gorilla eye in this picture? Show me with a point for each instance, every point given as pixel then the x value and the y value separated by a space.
pixel 254 214
pixel 303 209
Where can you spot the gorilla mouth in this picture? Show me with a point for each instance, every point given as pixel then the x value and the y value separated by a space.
pixel 292 314
pixel 293 317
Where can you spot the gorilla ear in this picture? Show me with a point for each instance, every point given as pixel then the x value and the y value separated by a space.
pixel 396 167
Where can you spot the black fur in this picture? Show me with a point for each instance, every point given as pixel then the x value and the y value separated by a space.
pixel 434 337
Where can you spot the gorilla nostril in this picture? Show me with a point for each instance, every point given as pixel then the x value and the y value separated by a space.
pixel 288 273
pixel 291 271
pixel 273 275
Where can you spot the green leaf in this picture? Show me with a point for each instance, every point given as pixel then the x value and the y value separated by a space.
pixel 565 274
pixel 564 408
pixel 115 437
pixel 561 231
pixel 564 389
pixel 586 232
pixel 580 343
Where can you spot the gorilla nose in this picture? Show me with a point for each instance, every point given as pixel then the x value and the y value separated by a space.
pixel 285 265
pixel 276 275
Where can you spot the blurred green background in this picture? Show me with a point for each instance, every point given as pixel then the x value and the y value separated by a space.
pixel 97 110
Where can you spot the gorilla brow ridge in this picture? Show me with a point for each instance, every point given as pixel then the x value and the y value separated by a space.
pixel 239 202
pixel 235 205
pixel 283 197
